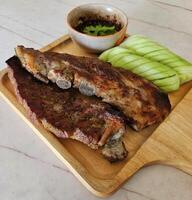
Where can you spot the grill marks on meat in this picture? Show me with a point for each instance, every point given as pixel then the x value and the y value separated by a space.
pixel 69 114
pixel 142 102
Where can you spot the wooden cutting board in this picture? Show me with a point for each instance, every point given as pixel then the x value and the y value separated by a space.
pixel 169 143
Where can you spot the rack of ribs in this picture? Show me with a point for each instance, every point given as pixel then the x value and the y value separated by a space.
pixel 142 103
pixel 69 114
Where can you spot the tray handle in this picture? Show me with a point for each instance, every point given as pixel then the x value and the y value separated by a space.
pixel 170 144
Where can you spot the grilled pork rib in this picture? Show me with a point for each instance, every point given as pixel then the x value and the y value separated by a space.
pixel 69 114
pixel 142 102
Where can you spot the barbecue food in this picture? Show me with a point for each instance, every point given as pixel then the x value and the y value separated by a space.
pixel 142 102
pixel 69 114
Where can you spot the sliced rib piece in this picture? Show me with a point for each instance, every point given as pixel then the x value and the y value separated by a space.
pixel 142 102
pixel 69 114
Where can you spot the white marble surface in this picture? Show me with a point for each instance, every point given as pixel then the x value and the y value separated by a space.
pixel 28 169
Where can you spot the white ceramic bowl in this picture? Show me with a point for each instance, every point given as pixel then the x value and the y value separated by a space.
pixel 96 43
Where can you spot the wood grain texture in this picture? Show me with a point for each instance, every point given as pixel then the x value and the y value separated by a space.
pixel 169 144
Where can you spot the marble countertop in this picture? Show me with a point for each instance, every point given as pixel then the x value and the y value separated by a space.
pixel 28 168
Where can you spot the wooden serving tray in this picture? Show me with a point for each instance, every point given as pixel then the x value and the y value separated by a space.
pixel 169 143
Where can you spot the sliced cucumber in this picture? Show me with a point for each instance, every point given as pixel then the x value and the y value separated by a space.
pixel 156 52
pixel 185 73
pixel 178 63
pixel 147 49
pixel 118 50
pixel 121 58
pixel 124 60
pixel 148 69
pixel 132 41
pixel 151 54
pixel 155 66
pixel 138 62
pixel 150 60
pixel 160 57
pixel 139 45
pixel 170 60
pixel 112 52
pixel 167 81
pixel 168 84
pixel 104 55
pixel 156 76
pixel 169 88
pixel 160 70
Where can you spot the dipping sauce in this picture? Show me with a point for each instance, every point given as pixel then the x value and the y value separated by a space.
pixel 98 27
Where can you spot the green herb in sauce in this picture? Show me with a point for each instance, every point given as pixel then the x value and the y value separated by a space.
pixel 98 30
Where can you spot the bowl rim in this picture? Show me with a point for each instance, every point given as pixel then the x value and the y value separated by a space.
pixel 99 4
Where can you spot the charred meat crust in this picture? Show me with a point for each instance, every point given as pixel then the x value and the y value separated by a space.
pixel 67 114
pixel 142 102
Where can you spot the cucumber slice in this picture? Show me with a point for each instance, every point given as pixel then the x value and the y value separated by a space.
pixel 169 88
pixel 148 49
pixel 145 68
pixel 125 60
pixel 116 58
pixel 167 81
pixel 168 84
pixel 157 76
pixel 172 84
pixel 160 57
pixel 117 51
pixel 142 66
pixel 153 74
pixel 167 57
pixel 156 52
pixel 131 42
pixel 160 70
pixel 104 55
pixel 134 40
pixel 178 63
pixel 156 67
pixel 184 78
pixel 170 60
pixel 185 73
pixel 150 60
pixel 186 68
pixel 139 45
pixel 112 52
